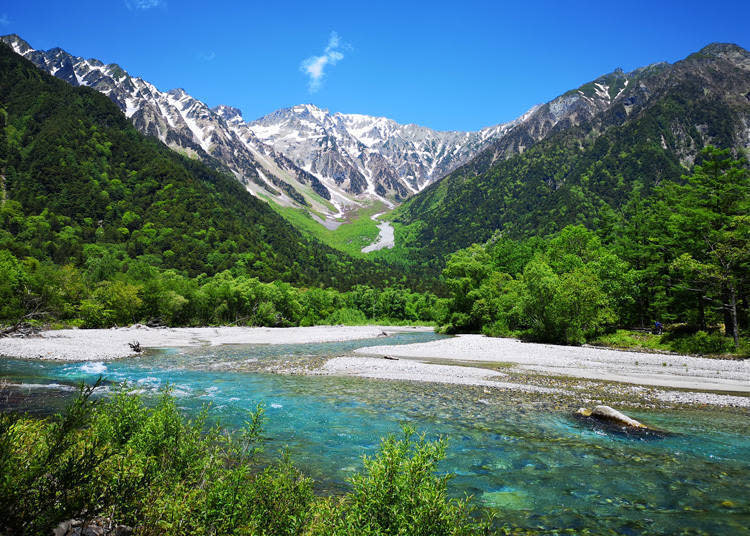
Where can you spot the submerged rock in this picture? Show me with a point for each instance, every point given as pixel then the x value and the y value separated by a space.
pixel 507 499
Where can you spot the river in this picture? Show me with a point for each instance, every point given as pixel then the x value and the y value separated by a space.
pixel 516 453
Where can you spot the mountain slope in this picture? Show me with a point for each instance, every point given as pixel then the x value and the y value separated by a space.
pixel 79 181
pixel 641 128
pixel 187 125
pixel 301 157
pixel 366 154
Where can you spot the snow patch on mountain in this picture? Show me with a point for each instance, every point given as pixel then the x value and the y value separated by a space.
pixel 301 156
pixel 391 159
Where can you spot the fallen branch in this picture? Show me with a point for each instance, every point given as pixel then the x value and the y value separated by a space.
pixel 22 328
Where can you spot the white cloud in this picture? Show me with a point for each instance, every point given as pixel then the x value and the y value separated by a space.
pixel 206 56
pixel 4 20
pixel 315 66
pixel 142 5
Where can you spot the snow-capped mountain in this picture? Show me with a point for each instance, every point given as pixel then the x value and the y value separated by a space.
pixel 188 125
pixel 304 156
pixel 368 154
pixel 568 110
pixel 300 156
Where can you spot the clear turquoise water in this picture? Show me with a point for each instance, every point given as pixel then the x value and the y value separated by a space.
pixel 531 462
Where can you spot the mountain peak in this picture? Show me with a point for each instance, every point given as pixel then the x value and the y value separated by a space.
pixel 718 49
pixel 177 92
pixel 726 51
pixel 310 109
pixel 228 113
pixel 18 45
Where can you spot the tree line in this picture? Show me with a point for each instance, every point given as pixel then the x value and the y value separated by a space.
pixel 111 289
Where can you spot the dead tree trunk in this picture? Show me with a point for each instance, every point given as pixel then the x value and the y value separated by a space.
pixel 733 315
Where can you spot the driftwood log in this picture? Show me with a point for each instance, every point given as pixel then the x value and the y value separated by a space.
pixel 19 329
pixel 617 422
pixel 22 328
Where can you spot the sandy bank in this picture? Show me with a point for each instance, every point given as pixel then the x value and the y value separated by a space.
pixel 681 372
pixel 106 344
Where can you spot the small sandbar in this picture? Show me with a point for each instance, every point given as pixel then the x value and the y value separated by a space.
pixel 107 344
pixel 408 370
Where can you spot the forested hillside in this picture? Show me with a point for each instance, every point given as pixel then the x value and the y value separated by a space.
pixel 681 256
pixel 99 221
pixel 76 172
pixel 585 173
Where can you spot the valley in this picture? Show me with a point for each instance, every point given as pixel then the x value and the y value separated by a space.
pixel 325 323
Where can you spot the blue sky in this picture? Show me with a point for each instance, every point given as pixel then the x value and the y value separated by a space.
pixel 446 65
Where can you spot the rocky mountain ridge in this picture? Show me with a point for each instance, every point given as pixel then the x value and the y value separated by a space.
pixel 301 156
pixel 615 97
pixel 186 125
pixel 366 154
pixel 581 157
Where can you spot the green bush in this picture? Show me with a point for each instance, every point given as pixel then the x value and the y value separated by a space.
pixel 700 343
pixel 148 467
pixel 13 283
pixel 398 494
pixel 347 316
pixel 94 314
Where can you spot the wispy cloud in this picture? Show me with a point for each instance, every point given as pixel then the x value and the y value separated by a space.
pixel 206 56
pixel 142 5
pixel 315 66
pixel 4 20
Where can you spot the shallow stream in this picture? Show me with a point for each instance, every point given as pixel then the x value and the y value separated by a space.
pixel 520 455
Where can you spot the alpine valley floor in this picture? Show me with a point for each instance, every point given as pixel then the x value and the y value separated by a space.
pixel 472 360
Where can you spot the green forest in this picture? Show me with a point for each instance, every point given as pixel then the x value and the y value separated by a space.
pixel 582 174
pixel 102 226
pixel 681 257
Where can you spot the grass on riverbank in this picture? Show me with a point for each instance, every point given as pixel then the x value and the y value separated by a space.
pixel 120 462
pixel 707 344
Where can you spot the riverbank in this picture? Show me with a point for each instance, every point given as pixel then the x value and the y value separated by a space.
pixel 409 370
pixel 593 375
pixel 585 374
pixel 108 344
pixel 659 370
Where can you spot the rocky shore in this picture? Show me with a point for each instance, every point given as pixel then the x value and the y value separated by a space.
pixel 107 344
